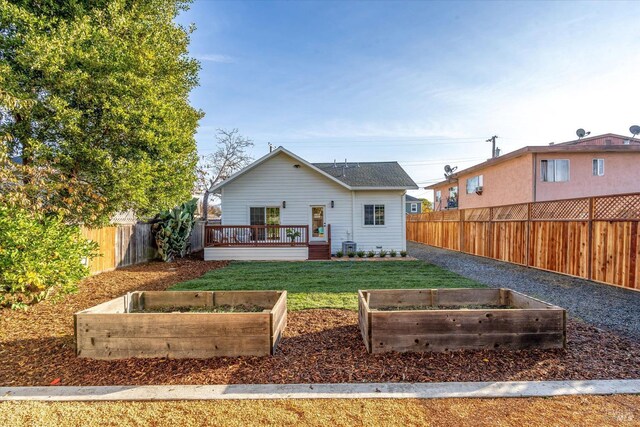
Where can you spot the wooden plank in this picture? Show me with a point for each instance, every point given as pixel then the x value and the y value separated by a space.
pixel 132 325
pixel 363 318
pixel 470 296
pixel 176 347
pixel 116 305
pixel 259 298
pixel 158 299
pixel 518 300
pixel 446 342
pixel 454 322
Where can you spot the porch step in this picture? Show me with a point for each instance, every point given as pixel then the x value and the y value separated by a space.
pixel 319 251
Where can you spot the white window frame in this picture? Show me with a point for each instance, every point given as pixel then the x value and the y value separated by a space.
pixel 375 205
pixel 414 207
pixel 597 167
pixel 479 179
pixel 438 195
pixel 544 175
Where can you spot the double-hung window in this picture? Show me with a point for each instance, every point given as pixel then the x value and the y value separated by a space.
pixel 598 167
pixel 414 207
pixel 554 170
pixel 438 196
pixel 373 214
pixel 474 183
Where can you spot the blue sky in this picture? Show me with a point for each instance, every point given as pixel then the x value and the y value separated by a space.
pixel 423 83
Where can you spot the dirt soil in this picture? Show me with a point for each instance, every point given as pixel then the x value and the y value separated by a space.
pixel 37 348
pixel 241 308
pixel 443 307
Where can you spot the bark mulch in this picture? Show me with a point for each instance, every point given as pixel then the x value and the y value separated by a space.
pixel 37 348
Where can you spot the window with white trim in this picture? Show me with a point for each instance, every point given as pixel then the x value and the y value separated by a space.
pixel 373 214
pixel 474 183
pixel 598 167
pixel 438 196
pixel 554 170
pixel 414 207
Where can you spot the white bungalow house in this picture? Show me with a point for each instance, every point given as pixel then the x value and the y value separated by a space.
pixel 282 207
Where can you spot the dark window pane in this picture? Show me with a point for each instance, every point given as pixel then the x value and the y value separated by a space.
pixel 368 215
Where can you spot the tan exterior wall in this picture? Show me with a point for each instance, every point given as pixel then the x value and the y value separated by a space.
pixel 621 175
pixel 503 184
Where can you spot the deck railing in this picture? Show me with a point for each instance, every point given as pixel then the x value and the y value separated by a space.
pixel 256 235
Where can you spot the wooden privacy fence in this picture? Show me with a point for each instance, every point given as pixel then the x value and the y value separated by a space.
pixel 594 238
pixel 122 245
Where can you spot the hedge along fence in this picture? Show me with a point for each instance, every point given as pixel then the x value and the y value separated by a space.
pixel 593 238
pixel 128 244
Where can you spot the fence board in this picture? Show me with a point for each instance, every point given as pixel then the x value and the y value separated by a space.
pixel 128 244
pixel 594 238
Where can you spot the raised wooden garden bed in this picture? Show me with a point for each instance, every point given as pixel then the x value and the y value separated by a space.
pixel 183 325
pixel 456 319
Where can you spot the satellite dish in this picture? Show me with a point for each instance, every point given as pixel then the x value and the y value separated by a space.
pixel 635 130
pixel 582 133
pixel 447 168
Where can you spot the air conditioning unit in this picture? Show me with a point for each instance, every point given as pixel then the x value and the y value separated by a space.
pixel 479 190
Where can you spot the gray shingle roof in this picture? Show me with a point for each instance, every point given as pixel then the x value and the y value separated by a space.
pixel 369 174
pixel 409 198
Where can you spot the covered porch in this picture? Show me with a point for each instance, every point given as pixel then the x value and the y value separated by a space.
pixel 266 242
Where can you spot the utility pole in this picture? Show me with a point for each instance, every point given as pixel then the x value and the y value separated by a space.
pixel 493 145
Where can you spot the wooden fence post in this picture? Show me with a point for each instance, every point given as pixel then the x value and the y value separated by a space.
pixel 528 237
pixel 590 240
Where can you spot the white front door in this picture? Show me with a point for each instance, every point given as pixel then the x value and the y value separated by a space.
pixel 318 229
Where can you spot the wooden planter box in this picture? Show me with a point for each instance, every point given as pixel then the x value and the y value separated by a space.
pixel 112 331
pixel 530 323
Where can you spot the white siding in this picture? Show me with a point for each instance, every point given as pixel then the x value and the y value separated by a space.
pixel 391 234
pixel 277 180
pixel 251 253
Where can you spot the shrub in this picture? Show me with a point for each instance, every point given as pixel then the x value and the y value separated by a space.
pixel 40 257
pixel 172 230
pixel 360 254
pixel 393 253
pixel 382 253
pixel 339 254
pixel 351 254
pixel 403 254
pixel 371 254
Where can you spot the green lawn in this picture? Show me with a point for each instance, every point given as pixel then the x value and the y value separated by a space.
pixel 326 284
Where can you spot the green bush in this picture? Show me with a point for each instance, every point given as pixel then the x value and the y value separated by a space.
pixel 360 254
pixel 403 254
pixel 172 230
pixel 393 253
pixel 351 254
pixel 339 254
pixel 40 257
pixel 371 254
pixel 382 253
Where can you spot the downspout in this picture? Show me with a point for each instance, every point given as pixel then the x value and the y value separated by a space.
pixel 535 176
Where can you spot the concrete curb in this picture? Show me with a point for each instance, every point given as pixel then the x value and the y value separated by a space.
pixel 322 391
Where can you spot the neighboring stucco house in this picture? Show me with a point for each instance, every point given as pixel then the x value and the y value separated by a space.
pixel 413 205
pixel 595 166
pixel 283 207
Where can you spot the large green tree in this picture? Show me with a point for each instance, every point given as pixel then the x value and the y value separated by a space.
pixel 102 90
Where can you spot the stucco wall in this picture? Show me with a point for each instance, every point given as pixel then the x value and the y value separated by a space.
pixel 621 175
pixel 503 184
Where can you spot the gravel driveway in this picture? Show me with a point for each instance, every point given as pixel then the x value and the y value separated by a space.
pixel 604 306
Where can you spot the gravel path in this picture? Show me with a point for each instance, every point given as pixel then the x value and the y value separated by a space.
pixel 604 306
